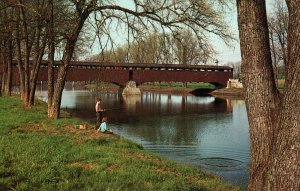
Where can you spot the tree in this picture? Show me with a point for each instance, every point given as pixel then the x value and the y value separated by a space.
pixel 25 41
pixel 59 21
pixel 199 16
pixel 145 49
pixel 51 52
pixel 81 13
pixel 6 47
pixel 160 49
pixel 118 55
pixel 278 28
pixel 189 51
pixel 273 117
pixel 38 49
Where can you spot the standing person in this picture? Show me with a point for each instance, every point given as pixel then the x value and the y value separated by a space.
pixel 99 112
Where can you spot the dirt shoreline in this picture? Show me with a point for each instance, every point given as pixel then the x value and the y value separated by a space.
pixel 232 92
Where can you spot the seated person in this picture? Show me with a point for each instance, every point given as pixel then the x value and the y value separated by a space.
pixel 103 127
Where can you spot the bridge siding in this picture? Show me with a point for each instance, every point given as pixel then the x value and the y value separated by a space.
pixel 181 76
pixel 121 76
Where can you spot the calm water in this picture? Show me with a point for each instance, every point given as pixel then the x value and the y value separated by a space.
pixel 207 132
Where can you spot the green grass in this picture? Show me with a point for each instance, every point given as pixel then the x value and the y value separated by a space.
pixel 42 154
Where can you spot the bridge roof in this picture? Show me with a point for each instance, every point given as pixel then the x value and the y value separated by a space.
pixel 147 65
pixel 138 65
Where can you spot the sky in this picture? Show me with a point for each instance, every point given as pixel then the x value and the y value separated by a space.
pixel 224 53
pixel 232 54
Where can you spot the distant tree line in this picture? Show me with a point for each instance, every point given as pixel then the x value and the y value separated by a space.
pixel 278 22
pixel 184 48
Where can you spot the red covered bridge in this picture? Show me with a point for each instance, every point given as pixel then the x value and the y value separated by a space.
pixel 121 73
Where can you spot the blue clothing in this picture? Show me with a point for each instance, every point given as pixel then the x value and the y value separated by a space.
pixel 103 127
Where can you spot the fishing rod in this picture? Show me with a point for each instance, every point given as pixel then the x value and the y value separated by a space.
pixel 114 108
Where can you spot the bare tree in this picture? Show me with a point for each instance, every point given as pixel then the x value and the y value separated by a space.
pixel 189 50
pixel 6 47
pixel 278 28
pixel 58 22
pixel 27 41
pixel 118 55
pixel 273 117
pixel 38 48
pixel 51 52
pixel 145 49
pixel 31 32
pixel 199 16
pixel 161 48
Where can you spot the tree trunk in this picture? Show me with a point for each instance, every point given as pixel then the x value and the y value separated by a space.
pixel 273 123
pixel 4 72
pixel 8 82
pixel 1 78
pixel 39 48
pixel 54 110
pixel 27 49
pixel 19 55
pixel 275 61
pixel 260 89
pixel 285 162
pixel 51 51
pixel 35 69
pixel 7 51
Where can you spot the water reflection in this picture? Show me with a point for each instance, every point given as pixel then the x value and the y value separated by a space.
pixel 207 132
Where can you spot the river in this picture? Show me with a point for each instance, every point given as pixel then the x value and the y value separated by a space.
pixel 209 133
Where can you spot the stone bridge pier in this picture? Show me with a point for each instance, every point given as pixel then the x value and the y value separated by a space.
pixel 130 89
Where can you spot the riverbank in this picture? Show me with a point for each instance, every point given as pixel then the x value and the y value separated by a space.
pixel 42 154
pixel 167 90
pixel 231 92
pixel 176 88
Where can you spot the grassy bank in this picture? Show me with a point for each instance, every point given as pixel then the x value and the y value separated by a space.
pixel 41 154
pixel 179 85
pixel 174 87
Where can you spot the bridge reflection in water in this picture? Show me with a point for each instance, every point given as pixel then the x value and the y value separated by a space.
pixel 206 132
